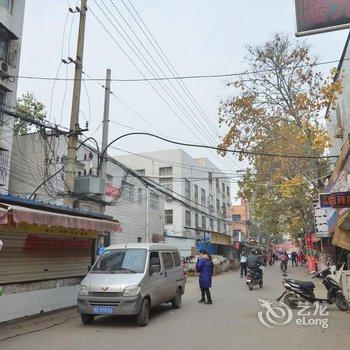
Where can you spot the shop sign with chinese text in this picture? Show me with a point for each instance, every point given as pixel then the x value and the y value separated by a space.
pixel 335 200
pixel 319 16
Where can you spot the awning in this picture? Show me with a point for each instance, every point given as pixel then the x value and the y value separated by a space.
pixel 341 238
pixel 18 214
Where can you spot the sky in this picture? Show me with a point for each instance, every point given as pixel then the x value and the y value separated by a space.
pixel 199 37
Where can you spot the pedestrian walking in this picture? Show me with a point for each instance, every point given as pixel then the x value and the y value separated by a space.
pixel 294 259
pixel 243 263
pixel 205 268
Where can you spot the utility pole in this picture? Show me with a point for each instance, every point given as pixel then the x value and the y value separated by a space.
pixel 147 213
pixel 74 119
pixel 103 174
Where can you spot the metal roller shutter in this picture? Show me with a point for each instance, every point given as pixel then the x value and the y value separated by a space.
pixel 26 257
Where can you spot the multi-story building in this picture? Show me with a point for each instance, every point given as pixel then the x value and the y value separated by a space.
pixel 203 188
pixel 11 25
pixel 239 215
pixel 35 160
pixel 338 128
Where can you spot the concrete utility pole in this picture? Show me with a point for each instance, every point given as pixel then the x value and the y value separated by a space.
pixel 105 130
pixel 147 213
pixel 74 119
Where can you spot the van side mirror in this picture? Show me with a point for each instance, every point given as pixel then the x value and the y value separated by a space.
pixel 154 269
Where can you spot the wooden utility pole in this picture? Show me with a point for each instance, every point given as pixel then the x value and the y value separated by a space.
pixel 103 166
pixel 74 119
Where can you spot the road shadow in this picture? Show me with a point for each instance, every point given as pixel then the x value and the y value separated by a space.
pixel 109 321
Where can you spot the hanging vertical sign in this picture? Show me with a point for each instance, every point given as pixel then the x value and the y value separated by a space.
pixel 319 16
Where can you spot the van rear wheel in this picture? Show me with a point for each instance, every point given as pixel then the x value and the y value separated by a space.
pixel 176 302
pixel 87 319
pixel 143 317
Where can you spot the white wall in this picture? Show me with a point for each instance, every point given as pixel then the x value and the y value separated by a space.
pixel 184 244
pixel 13 21
pixel 184 166
pixel 18 305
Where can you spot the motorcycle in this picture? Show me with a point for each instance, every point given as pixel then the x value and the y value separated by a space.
pixel 299 291
pixel 254 278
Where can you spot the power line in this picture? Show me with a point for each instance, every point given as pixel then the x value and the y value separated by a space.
pixel 217 148
pixel 182 77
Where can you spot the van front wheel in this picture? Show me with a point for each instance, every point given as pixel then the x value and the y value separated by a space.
pixel 176 302
pixel 87 319
pixel 143 317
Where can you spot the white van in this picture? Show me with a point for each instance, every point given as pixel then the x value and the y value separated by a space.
pixel 129 279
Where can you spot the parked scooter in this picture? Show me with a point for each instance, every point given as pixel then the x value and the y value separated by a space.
pixel 300 291
pixel 254 278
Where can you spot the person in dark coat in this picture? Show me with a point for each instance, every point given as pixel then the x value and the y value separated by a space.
pixel 205 268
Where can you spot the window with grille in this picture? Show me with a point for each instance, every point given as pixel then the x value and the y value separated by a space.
pixel 196 193
pixel 188 218
pixel 187 189
pixel 167 182
pixel 169 217
pixel 204 222
pixel 236 217
pixel 203 199
pixel 196 219
pixel 3 166
pixel 154 201
pixel 164 171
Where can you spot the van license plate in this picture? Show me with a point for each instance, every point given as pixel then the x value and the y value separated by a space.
pixel 103 310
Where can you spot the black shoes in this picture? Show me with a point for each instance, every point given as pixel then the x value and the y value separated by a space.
pixel 208 302
pixel 201 301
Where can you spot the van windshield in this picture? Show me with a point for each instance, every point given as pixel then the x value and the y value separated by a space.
pixel 121 261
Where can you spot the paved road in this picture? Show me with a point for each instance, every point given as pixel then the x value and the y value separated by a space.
pixel 229 323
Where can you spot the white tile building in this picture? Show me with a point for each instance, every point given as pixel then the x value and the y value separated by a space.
pixel 11 25
pixel 199 183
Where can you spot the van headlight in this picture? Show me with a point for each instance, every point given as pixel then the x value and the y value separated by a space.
pixel 83 290
pixel 131 291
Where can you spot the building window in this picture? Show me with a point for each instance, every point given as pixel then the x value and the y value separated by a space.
pixel 236 217
pixel 217 185
pixel 210 177
pixel 165 171
pixel 211 224
pixel 169 217
pixel 223 189
pixel 187 189
pixel 154 201
pixel 167 182
pixel 129 193
pixel 225 227
pixel 203 199
pixel 6 3
pixel 236 234
pixel 141 172
pixel 139 239
pixel 196 219
pixel 228 192
pixel 218 205
pixel 204 222
pixel 196 193
pixel 188 218
pixel 219 226
pixel 139 195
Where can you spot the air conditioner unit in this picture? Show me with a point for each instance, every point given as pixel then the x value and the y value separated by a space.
pixel 5 69
pixel 339 132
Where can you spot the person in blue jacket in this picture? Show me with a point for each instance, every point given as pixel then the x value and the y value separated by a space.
pixel 205 268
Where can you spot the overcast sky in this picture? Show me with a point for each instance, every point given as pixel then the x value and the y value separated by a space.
pixel 198 37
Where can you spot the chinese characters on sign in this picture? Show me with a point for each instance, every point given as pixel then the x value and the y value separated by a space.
pixel 335 200
pixel 314 16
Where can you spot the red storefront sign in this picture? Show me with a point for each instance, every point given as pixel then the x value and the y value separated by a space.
pixel 34 242
pixel 112 191
pixel 335 200
pixel 318 16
